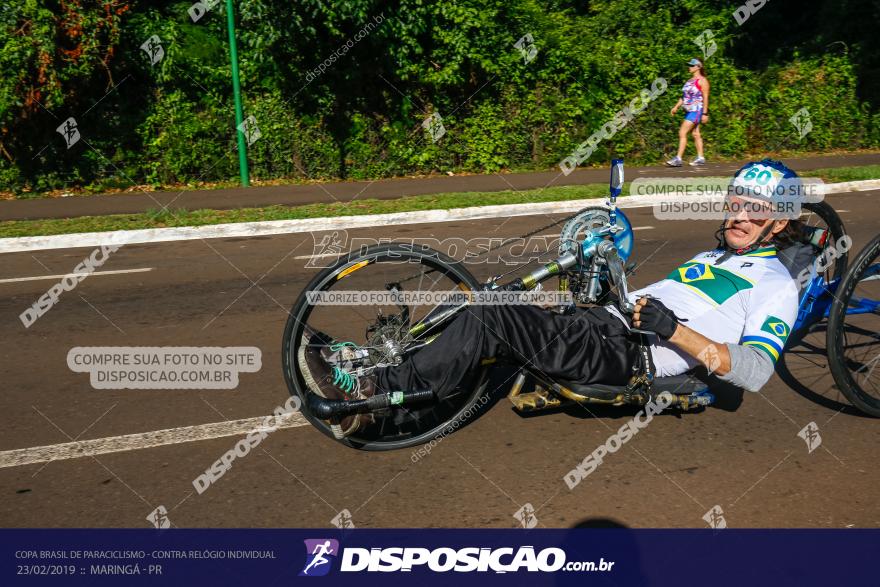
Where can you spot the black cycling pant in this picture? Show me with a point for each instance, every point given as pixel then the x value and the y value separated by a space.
pixel 589 346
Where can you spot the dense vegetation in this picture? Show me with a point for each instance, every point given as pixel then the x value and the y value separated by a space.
pixel 361 117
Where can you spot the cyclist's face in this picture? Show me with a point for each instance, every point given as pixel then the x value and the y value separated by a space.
pixel 746 221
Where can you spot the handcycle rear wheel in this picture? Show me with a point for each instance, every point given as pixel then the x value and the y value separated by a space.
pixel 854 332
pixel 803 364
pixel 817 214
pixel 408 268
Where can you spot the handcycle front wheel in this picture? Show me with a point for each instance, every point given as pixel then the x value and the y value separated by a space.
pixel 854 332
pixel 404 268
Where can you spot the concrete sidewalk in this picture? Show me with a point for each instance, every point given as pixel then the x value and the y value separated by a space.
pixel 346 191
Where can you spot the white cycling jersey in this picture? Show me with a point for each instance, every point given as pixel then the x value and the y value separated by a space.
pixel 748 299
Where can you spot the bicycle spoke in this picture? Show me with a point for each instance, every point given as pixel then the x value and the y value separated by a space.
pixel 376 324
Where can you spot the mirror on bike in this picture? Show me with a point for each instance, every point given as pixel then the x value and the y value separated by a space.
pixel 616 177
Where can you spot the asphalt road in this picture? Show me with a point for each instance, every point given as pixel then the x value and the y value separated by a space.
pixel 385 189
pixel 236 292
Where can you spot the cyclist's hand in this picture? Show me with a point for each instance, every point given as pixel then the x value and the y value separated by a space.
pixel 651 314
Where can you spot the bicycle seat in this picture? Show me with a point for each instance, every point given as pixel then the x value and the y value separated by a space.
pixel 797 258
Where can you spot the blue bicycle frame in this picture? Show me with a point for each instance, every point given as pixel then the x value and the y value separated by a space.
pixel 817 299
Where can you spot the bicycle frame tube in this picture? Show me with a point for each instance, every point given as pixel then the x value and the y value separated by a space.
pixel 865 305
pixel 528 282
pixel 591 246
pixel 520 284
pixel 872 273
pixel 815 302
pixel 862 306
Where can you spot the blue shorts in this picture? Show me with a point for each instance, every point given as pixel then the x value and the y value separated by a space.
pixel 694 116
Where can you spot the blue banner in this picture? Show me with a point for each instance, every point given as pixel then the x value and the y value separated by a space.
pixel 595 556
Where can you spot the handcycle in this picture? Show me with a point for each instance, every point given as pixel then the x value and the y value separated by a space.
pixel 593 263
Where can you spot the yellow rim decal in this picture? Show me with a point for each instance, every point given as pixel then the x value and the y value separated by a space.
pixel 351 269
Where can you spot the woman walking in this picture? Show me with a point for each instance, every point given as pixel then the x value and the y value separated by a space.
pixel 695 99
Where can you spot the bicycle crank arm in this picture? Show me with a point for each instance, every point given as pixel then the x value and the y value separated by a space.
pixel 326 409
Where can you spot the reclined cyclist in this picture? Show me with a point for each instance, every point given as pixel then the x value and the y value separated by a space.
pixel 730 309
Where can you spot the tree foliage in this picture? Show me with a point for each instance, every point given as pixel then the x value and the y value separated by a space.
pixel 340 89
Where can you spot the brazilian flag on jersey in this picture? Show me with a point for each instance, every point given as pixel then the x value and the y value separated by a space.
pixel 772 345
pixel 713 283
pixel 776 327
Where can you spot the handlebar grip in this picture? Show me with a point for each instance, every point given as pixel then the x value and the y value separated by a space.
pixel 325 409
pixel 397 398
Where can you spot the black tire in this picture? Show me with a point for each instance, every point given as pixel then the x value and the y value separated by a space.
pixel 806 345
pixel 395 253
pixel 842 366
pixel 817 214
pixel 835 225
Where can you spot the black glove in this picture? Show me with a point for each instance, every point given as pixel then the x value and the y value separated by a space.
pixel 657 318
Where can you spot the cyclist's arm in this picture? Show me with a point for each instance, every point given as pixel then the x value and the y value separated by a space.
pixel 772 310
pixel 742 366
pixel 715 356
pixel 750 369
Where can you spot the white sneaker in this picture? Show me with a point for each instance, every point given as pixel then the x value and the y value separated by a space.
pixel 674 162
pixel 698 161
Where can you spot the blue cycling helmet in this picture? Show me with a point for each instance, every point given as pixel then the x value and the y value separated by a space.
pixel 771 182
pixel 769 187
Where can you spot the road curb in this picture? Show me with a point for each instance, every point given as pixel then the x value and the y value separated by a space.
pixel 852 186
pixel 275 227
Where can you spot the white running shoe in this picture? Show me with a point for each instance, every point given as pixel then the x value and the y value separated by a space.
pixel 698 161
pixel 674 162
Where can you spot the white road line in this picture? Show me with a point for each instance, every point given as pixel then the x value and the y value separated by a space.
pixel 272 227
pixel 112 444
pixel 93 273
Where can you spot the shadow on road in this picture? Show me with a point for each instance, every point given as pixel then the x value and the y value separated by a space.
pixel 805 364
